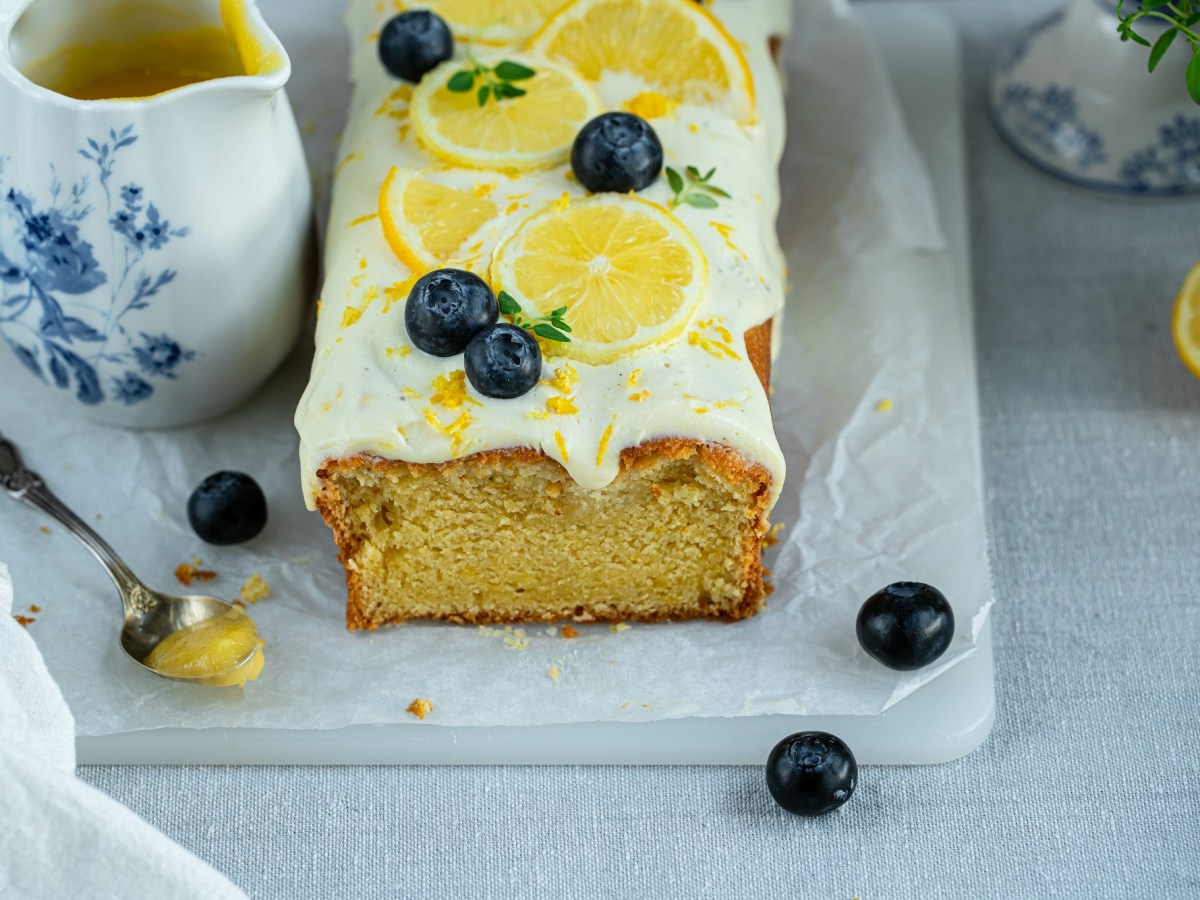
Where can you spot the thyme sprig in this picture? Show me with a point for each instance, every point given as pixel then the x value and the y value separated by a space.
pixel 497 80
pixel 697 190
pixel 550 327
pixel 1181 17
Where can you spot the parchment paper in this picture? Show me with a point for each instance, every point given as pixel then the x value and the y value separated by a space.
pixel 875 405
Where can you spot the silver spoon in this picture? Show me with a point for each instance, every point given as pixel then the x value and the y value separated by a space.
pixel 150 616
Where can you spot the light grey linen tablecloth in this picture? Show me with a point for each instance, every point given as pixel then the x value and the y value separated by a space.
pixel 1090 784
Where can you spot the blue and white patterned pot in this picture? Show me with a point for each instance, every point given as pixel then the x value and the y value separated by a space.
pixel 1075 101
pixel 154 254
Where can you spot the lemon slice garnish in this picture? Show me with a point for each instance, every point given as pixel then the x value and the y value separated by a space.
pixel 440 218
pixel 1185 322
pixel 489 21
pixel 534 131
pixel 673 47
pixel 629 273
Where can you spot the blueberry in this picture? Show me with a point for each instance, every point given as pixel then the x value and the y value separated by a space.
pixel 503 361
pixel 412 43
pixel 616 152
pixel 227 508
pixel 446 309
pixel 811 773
pixel 906 625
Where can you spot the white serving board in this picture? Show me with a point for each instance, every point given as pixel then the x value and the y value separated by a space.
pixel 944 720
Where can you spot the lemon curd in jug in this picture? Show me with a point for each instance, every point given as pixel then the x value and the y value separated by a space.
pixel 128 64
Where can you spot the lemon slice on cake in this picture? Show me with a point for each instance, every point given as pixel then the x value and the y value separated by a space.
pixel 438 217
pixel 515 134
pixel 672 47
pixel 489 21
pixel 629 273
pixel 1185 322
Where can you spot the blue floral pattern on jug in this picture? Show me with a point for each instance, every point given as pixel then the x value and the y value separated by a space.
pixel 1047 119
pixel 67 320
pixel 1172 163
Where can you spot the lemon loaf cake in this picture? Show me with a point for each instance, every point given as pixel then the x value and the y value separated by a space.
pixel 543 350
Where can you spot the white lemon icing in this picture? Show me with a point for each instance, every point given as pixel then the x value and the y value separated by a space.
pixel 372 392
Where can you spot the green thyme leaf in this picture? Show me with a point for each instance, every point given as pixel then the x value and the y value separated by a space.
pixel 504 89
pixel 512 71
pixel 484 90
pixel 1161 46
pixel 1193 78
pixel 550 333
pixel 461 82
pixel 696 191
pixel 508 305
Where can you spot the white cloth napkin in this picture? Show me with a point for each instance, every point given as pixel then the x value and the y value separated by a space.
pixel 59 837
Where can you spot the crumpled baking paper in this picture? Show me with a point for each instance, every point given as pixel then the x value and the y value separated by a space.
pixel 875 405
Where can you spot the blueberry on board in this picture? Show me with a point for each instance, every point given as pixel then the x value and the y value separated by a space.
pixel 906 625
pixel 227 508
pixel 447 308
pixel 811 773
pixel 618 152
pixel 503 361
pixel 412 43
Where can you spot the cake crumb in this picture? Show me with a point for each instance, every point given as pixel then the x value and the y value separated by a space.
pixel 568 632
pixel 25 621
pixel 514 638
pixel 186 573
pixel 420 708
pixel 884 405
pixel 255 589
pixel 239 603
pixel 44 530
pixel 619 627
pixel 553 672
pixel 34 608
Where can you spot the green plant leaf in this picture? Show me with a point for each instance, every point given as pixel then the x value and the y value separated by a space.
pixel 675 180
pixel 508 305
pixel 713 189
pixel 550 333
pixel 1137 38
pixel 512 71
pixel 1193 78
pixel 1161 46
pixel 505 90
pixel 700 201
pixel 483 93
pixel 461 82
pixel 694 173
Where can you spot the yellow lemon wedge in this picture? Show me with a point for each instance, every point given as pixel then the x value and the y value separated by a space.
pixel 629 273
pixel 676 48
pixel 489 21
pixel 1185 322
pixel 533 131
pixel 440 218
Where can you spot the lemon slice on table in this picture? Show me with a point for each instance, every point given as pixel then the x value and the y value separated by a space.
pixel 533 131
pixel 489 21
pixel 437 218
pixel 673 47
pixel 629 273
pixel 1185 322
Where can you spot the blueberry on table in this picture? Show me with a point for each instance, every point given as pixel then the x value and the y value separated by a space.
pixel 503 361
pixel 412 43
pixel 227 508
pixel 447 308
pixel 617 152
pixel 811 773
pixel 906 625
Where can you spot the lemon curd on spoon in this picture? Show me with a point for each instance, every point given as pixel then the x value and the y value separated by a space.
pixel 212 651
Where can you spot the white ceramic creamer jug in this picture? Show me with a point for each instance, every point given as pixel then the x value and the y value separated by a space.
pixel 155 206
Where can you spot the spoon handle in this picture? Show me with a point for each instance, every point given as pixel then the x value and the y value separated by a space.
pixel 29 488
